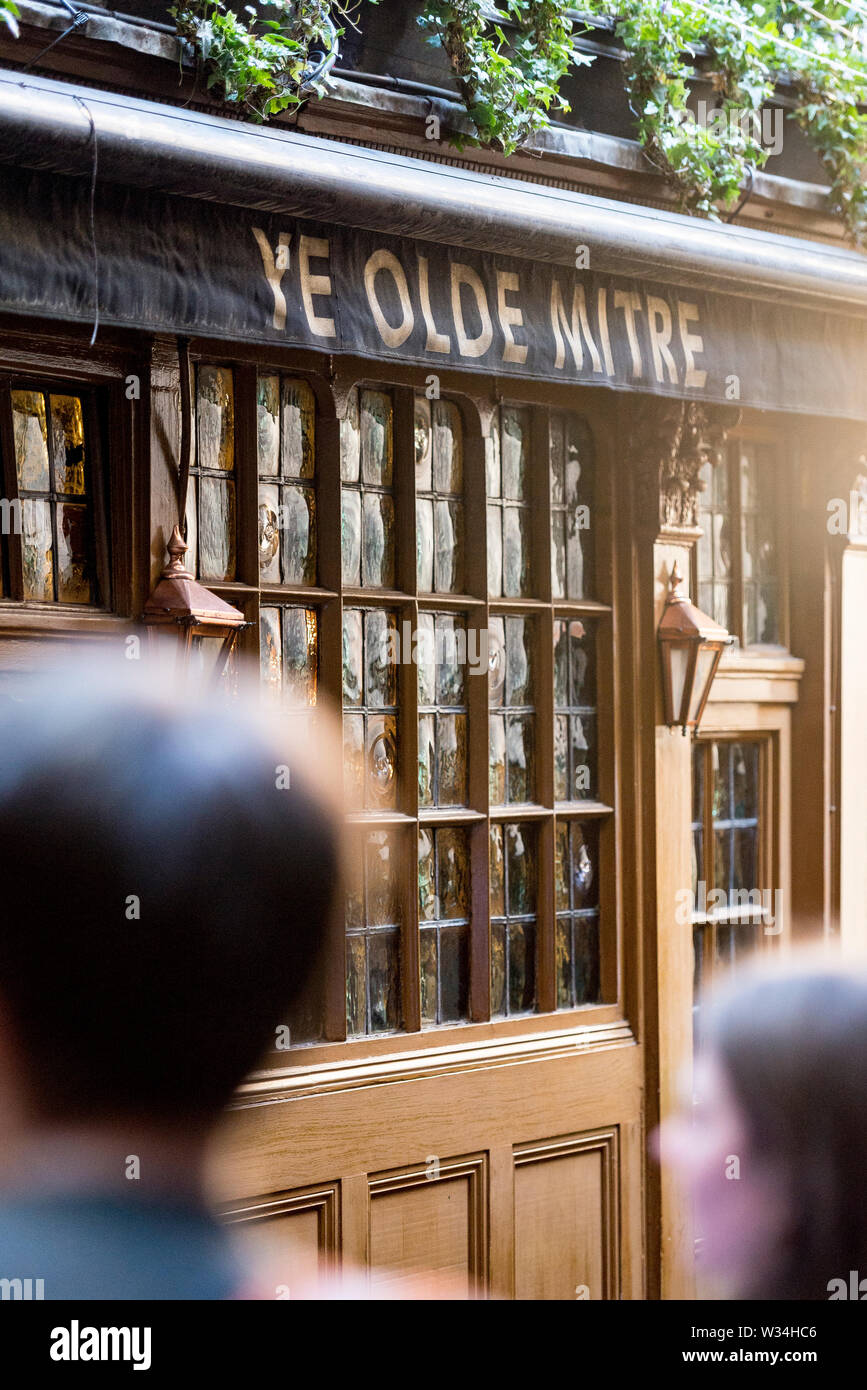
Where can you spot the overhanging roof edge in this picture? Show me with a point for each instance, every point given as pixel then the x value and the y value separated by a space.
pixel 47 125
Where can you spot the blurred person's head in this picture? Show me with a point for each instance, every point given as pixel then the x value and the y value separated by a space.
pixel 774 1151
pixel 167 869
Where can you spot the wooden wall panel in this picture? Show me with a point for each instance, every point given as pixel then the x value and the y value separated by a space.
pixel 292 1238
pixel 566 1218
pixel 430 1224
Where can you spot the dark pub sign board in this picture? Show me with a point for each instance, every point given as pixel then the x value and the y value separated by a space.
pixel 163 263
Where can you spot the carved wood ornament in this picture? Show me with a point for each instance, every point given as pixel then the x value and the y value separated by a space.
pixel 671 442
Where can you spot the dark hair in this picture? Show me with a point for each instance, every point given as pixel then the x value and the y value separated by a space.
pixel 794 1049
pixel 113 793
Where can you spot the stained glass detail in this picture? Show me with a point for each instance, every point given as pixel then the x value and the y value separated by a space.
pixel 370 717
pixel 286 414
pixel 366 468
pixel 56 518
pixel 575 713
pixel 373 927
pixel 513 877
pixel 211 498
pixel 508 482
pixel 571 507
pixel 511 693
pixel 444 917
pixel 576 895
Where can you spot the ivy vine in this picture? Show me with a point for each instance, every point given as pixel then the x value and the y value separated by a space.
pixel 743 48
pixel 746 49
pixel 10 14
pixel 509 60
pixel 263 65
pixel 509 85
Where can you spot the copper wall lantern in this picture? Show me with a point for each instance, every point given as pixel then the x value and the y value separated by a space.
pixel 691 644
pixel 204 627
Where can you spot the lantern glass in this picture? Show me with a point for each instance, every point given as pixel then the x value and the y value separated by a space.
pixel 704 669
pixel 679 664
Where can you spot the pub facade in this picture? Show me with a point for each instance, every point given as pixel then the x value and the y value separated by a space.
pixel 453 435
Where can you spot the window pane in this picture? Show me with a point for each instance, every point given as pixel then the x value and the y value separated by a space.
pixel 289 655
pixel 366 466
pixel 67 430
pixel 714 555
pixel 370 730
pixel 571 507
pixel 759 544
pixel 38 549
pixel 576 892
pixel 444 898
pixel 511 694
pixel 215 418
pixel 56 519
pixel 441 650
pixel 211 495
pixel 509 530
pixel 30 429
pixel 513 918
pixel 373 925
pixel 575 747
pixel 287 508
pixel 439 505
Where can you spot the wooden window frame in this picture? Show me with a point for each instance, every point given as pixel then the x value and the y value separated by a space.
pixel 40 355
pixel 329 596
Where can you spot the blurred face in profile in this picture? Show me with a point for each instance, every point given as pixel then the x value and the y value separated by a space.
pixel 736 1194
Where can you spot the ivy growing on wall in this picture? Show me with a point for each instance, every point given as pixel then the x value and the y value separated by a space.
pixel 267 57
pixel 509 60
pixel 508 84
pixel 10 14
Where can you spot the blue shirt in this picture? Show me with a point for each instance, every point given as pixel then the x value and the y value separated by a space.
pixel 105 1247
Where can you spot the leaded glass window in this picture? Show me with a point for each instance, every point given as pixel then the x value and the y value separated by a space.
pixel 571 507
pixel 575 716
pixel 439 476
pixel 442 700
pixel 54 502
pixel 444 923
pixel 212 490
pixel 576 888
pixel 370 718
pixel 509 505
pixel 514 887
pixel 373 934
pixel 737 557
pixel 286 412
pixel 435 568
pixel 366 468
pixel 734 910
pixel 512 764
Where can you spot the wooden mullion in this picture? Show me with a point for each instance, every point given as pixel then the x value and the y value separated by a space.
pixel 328 498
pixel 736 513
pixel 406 576
pixel 14 543
pixel 95 497
pixel 543 623
pixel 247 475
pixel 709 933
pixel 475 525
